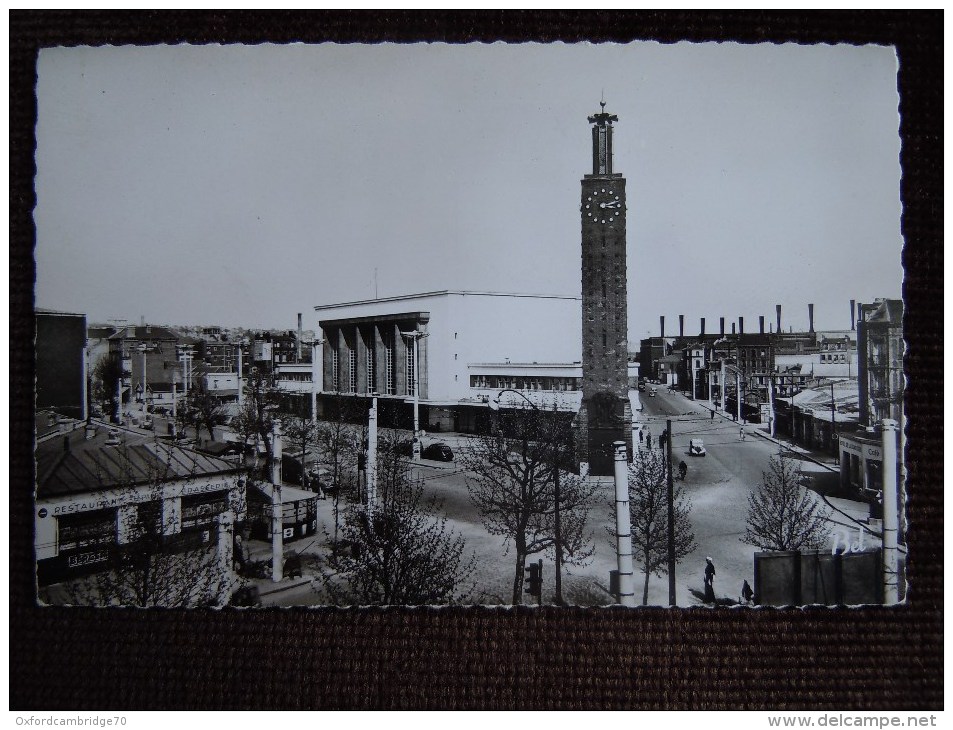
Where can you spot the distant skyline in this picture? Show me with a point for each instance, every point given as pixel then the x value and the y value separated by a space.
pixel 239 185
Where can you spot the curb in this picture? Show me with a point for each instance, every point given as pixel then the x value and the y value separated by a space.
pixel 282 587
pixel 805 454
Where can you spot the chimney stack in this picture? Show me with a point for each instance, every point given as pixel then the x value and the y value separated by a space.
pixel 142 320
pixel 741 326
pixel 681 325
pixel 722 321
pixel 732 328
pixel 810 317
pixel 661 324
pixel 852 310
pixel 777 309
pixel 299 336
pixel 761 323
pixel 703 328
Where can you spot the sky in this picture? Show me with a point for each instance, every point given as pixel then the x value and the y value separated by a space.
pixel 240 185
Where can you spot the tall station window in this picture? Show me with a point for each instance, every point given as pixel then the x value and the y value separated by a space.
pixel 335 374
pixel 411 375
pixel 390 375
pixel 352 371
pixel 369 372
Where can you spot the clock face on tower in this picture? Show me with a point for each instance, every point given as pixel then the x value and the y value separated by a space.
pixel 603 206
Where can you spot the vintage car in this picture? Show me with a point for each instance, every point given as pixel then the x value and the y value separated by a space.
pixel 696 447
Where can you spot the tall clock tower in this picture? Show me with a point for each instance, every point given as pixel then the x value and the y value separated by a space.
pixel 605 415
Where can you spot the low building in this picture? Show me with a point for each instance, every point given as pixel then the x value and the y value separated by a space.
pixel 108 500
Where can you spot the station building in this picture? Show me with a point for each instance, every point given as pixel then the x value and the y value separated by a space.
pixel 470 346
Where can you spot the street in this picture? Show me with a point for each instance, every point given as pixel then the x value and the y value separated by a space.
pixel 717 484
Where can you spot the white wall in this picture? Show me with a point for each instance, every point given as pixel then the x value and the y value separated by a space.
pixel 467 327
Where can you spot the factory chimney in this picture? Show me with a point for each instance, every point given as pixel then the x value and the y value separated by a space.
pixel 741 326
pixel 722 321
pixel 852 311
pixel 761 323
pixel 299 336
pixel 661 324
pixel 703 328
pixel 777 309
pixel 810 317
pixel 681 325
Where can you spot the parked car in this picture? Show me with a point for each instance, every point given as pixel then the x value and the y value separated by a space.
pixel 438 452
pixel 696 447
pixel 113 439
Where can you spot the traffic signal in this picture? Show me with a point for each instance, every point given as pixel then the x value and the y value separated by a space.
pixel 534 582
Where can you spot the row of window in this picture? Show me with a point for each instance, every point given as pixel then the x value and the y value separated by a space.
pixel 834 358
pixel 295 377
pixel 493 382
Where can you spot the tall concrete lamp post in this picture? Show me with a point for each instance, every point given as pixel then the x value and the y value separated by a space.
pixel 416 336
pixel 494 405
pixel 316 380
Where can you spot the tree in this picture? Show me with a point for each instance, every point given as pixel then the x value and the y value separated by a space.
pixel 204 409
pixel 782 514
pixel 299 432
pixel 338 444
pixel 106 376
pixel 403 554
pixel 648 516
pixel 256 420
pixel 511 481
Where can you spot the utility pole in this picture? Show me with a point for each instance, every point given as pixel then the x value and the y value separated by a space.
pixel 833 423
pixel 557 519
pixel 774 415
pixel 316 365
pixel 623 529
pixel 241 395
pixel 891 518
pixel 277 518
pixel 738 392
pixel 671 519
pixel 415 336
pixel 723 384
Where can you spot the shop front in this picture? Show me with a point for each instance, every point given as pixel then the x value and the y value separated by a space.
pixel 861 462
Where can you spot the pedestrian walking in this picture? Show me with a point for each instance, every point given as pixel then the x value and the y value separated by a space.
pixel 746 593
pixel 641 436
pixel 682 470
pixel 741 433
pixel 709 580
pixel 712 414
pixel 648 440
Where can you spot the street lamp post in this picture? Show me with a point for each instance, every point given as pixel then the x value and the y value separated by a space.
pixel 494 404
pixel 416 335
pixel 143 349
pixel 370 477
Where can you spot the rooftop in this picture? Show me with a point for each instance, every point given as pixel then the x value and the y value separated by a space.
pixel 73 465
pixel 441 293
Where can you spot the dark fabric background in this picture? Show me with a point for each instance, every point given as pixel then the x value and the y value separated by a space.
pixel 872 658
